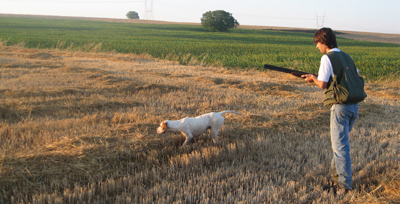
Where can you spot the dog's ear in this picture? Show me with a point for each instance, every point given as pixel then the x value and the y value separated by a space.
pixel 164 125
pixel 162 128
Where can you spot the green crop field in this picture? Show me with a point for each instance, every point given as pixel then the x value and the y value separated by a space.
pixel 190 44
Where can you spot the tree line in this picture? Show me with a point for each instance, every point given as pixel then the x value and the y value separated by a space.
pixel 215 21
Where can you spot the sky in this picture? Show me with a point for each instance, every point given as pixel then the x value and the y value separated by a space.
pixel 381 16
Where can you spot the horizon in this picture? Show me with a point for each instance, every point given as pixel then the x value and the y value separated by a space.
pixel 358 16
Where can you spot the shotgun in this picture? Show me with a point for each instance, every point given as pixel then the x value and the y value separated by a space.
pixel 286 70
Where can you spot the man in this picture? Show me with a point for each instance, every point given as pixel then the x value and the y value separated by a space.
pixel 343 115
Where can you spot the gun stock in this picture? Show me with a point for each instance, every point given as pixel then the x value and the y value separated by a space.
pixel 285 70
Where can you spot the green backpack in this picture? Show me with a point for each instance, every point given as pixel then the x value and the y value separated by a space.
pixel 347 85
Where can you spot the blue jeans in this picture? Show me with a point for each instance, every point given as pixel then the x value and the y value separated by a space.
pixel 343 117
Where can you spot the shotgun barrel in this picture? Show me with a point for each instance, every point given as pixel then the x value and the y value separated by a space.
pixel 285 70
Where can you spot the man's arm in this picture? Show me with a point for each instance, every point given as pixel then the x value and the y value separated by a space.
pixel 312 78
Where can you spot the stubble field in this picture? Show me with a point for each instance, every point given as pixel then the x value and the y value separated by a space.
pixel 79 127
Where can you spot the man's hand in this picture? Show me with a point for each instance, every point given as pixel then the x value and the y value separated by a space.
pixel 309 77
pixel 312 78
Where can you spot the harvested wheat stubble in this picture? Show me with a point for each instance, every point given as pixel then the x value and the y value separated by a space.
pixel 81 128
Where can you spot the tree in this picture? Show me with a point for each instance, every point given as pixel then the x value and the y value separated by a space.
pixel 132 15
pixel 218 20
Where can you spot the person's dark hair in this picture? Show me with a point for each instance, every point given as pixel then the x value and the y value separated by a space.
pixel 326 36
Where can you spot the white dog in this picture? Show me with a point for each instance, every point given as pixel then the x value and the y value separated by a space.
pixel 192 127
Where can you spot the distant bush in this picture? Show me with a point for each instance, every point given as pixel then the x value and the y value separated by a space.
pixel 218 21
pixel 132 15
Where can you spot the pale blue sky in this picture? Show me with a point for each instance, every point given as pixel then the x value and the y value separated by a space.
pixel 353 15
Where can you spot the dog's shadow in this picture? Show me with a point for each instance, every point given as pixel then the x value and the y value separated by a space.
pixel 177 139
pixel 148 136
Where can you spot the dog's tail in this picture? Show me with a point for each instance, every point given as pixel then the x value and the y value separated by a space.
pixel 228 111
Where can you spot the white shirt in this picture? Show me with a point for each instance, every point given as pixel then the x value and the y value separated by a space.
pixel 325 68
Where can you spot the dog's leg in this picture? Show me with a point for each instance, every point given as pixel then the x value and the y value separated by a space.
pixel 216 126
pixel 214 131
pixel 188 136
pixel 214 136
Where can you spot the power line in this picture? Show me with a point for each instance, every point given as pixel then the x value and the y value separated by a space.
pixel 320 25
pixel 149 9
